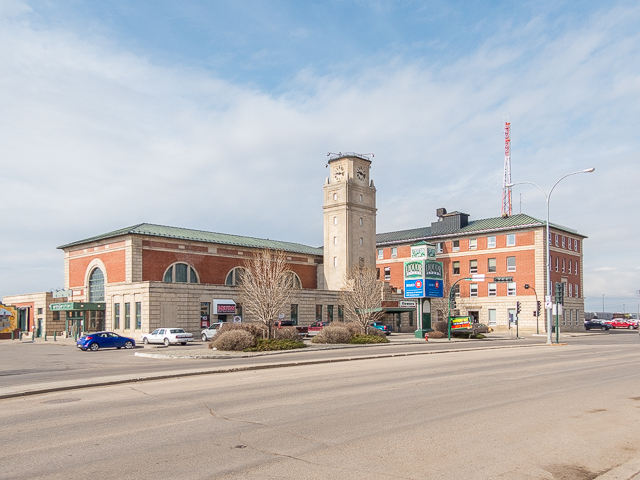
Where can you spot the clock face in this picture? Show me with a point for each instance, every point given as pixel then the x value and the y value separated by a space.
pixel 361 174
pixel 338 173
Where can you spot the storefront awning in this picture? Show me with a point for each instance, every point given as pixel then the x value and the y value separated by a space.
pixel 82 306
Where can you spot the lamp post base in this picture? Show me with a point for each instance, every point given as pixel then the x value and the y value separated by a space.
pixel 421 332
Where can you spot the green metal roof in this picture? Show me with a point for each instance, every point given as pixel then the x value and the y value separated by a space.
pixel 161 231
pixel 520 220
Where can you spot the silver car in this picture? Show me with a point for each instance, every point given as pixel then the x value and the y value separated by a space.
pixel 168 336
pixel 209 333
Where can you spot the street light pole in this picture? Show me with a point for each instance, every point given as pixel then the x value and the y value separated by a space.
pixel 526 287
pixel 547 242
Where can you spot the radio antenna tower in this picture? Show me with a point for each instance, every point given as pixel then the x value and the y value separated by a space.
pixel 506 180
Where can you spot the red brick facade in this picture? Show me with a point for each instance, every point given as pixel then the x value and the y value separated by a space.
pixel 114 262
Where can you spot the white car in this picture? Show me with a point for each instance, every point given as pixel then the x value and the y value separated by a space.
pixel 168 336
pixel 210 332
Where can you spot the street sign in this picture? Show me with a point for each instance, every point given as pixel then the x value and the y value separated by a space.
pixel 477 277
pixel 548 305
pixel 503 279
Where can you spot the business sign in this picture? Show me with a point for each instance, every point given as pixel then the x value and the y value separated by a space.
pixel 460 323
pixel 62 293
pixel 414 269
pixel 414 288
pixel 433 288
pixel 433 269
pixel 224 307
pixel 423 251
pixel 8 318
pixel 407 304
pixel 80 306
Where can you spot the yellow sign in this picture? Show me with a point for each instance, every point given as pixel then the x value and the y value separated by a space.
pixel 460 323
pixel 8 318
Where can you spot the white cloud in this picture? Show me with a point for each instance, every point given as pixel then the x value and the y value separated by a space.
pixel 95 139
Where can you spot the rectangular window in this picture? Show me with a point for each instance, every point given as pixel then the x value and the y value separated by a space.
pixel 493 291
pixel 511 315
pixel 294 314
pixel 570 266
pixel 439 247
pixel 511 289
pixel 511 264
pixel 491 265
pixel 575 245
pixel 116 316
pixel 550 242
pixel 456 268
pixel 563 265
pixel 387 274
pixel 493 317
pixel 335 261
pixel 40 311
pixel 563 240
pixel 511 239
pixel 341 313
pixel 394 252
pixel 380 254
pixel 473 244
pixel 456 245
pixel 571 289
pixel 473 266
pixel 575 266
pixel 138 315
pixel 127 316
pixel 557 240
pixel 557 263
pixel 575 290
pixel 329 313
pixel 569 247
pixel 491 242
pixel 456 290
pixel 473 290
pixel 318 313
pixel 335 240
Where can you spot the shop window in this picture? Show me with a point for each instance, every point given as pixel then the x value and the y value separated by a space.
pixel 493 291
pixel 387 274
pixel 341 313
pixel 116 316
pixel 491 242
pixel 294 313
pixel 318 313
pixel 440 247
pixel 456 268
pixel 380 254
pixel 456 245
pixel 180 273
pixel 96 286
pixel 473 290
pixel 511 315
pixel 138 315
pixel 473 266
pixel 491 265
pixel 127 316
pixel 511 289
pixel 205 313
pixel 511 240
pixel 511 264
pixel 394 252
pixel 473 244
pixel 329 313
pixel 235 276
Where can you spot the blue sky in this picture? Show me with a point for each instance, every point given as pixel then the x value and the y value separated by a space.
pixel 218 116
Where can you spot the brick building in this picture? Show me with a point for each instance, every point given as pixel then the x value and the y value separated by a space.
pixel 497 247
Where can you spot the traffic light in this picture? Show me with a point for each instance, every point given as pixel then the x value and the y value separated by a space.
pixel 539 308
pixel 518 306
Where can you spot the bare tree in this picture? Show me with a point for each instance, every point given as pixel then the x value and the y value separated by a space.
pixel 440 305
pixel 266 286
pixel 362 295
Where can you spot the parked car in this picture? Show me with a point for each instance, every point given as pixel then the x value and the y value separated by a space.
pixel 316 326
pixel 210 332
pixel 168 336
pixel 288 323
pixel 98 340
pixel 387 329
pixel 622 323
pixel 596 325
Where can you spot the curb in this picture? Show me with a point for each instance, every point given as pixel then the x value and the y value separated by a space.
pixel 122 381
pixel 627 471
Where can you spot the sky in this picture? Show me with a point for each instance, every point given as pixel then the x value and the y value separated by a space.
pixel 219 115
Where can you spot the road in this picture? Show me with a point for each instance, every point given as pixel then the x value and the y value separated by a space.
pixel 564 412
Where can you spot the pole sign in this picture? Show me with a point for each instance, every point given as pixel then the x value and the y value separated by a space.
pixel 423 278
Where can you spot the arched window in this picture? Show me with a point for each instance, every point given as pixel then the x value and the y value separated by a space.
pixel 180 273
pixel 234 277
pixel 294 279
pixel 96 286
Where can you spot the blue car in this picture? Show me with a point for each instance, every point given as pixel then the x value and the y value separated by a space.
pixel 98 340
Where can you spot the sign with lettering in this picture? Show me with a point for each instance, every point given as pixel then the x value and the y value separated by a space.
pixel 433 288
pixel 407 304
pixel 414 288
pixel 222 309
pixel 433 269
pixel 460 323
pixel 419 251
pixel 62 293
pixel 414 269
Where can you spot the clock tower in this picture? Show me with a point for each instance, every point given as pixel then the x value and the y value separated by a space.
pixel 349 217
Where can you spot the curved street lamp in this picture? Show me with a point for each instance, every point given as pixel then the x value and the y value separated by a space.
pixel 548 269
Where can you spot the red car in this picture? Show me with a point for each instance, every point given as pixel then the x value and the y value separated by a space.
pixel 622 323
